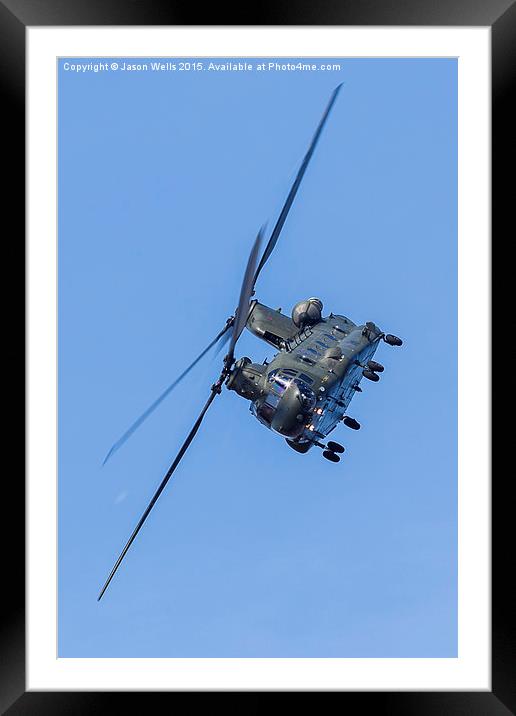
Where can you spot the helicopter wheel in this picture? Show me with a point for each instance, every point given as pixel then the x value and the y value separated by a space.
pixel 371 375
pixel 351 423
pixel 334 447
pixel 393 340
pixel 331 456
pixel 377 367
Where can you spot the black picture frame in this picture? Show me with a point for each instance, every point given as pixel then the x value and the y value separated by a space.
pixel 15 17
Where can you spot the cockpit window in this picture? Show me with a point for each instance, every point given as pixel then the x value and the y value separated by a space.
pixel 306 378
pixel 272 400
pixel 266 413
pixel 280 380
pixel 308 398
pixel 279 384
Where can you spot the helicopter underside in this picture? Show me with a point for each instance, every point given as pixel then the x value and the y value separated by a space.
pixel 332 407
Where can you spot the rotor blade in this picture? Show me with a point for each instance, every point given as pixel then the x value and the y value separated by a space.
pixel 242 311
pixel 162 397
pixel 295 186
pixel 222 341
pixel 160 489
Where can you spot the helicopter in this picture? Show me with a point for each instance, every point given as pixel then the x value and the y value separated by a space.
pixel 304 392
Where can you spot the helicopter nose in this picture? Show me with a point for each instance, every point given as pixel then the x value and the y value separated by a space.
pixel 289 419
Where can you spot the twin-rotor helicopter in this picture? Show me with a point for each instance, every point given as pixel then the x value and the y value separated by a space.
pixel 304 392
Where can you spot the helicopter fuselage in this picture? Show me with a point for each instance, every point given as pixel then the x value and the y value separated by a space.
pixel 304 391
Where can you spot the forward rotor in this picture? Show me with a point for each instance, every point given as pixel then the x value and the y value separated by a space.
pixel 237 325
pixel 248 286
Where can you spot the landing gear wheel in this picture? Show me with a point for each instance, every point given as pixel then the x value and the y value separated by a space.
pixel 335 447
pixel 331 456
pixel 370 375
pixel 393 340
pixel 351 423
pixel 377 367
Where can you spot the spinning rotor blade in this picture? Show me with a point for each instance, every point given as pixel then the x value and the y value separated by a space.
pixel 246 291
pixel 238 324
pixel 295 186
pixel 160 489
pixel 123 439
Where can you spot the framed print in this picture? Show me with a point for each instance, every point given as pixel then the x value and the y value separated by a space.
pixel 183 182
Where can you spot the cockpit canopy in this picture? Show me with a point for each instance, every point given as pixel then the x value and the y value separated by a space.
pixel 287 403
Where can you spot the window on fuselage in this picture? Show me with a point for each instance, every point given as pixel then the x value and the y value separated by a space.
pixel 306 378
pixel 266 413
pixel 279 381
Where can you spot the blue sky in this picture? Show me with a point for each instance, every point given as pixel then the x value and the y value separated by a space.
pixel 254 550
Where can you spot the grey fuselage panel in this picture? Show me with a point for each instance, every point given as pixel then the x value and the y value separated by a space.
pixel 334 380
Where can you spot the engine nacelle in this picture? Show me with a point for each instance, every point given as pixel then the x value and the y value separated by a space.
pixel 306 313
pixel 247 379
